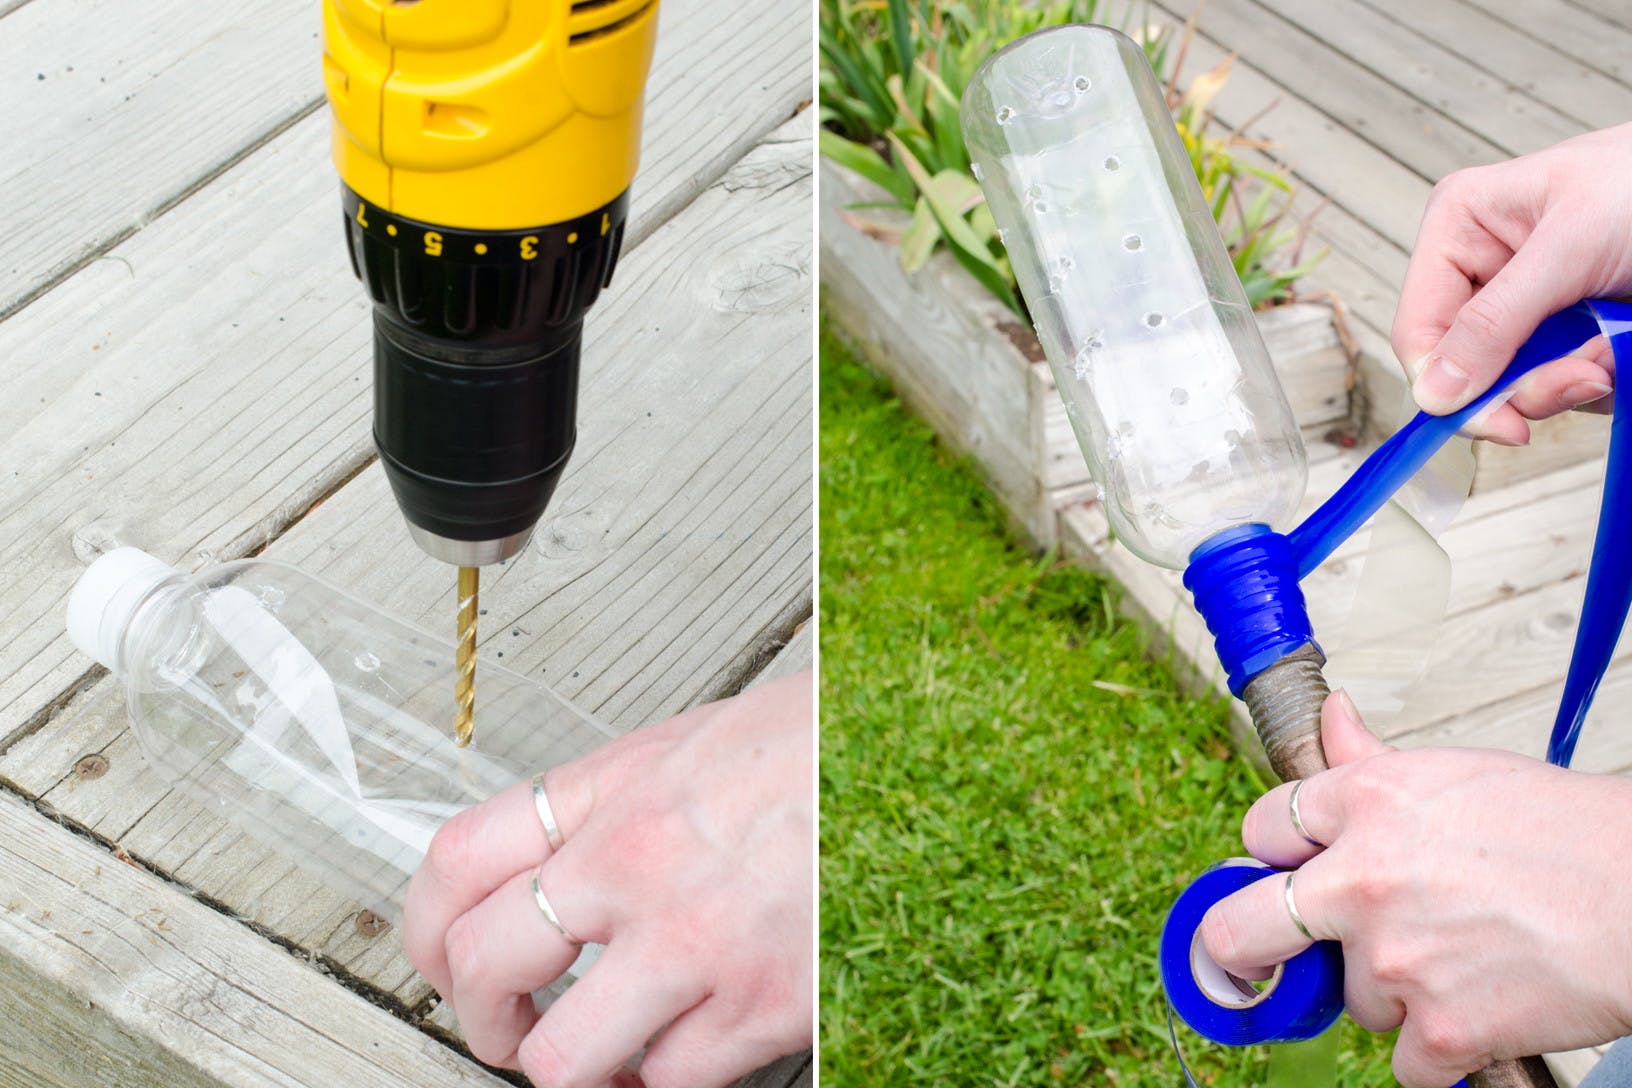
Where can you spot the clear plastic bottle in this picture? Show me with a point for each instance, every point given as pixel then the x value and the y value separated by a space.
pixel 312 721
pixel 1147 329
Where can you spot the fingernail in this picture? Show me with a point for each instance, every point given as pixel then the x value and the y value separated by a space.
pixel 1581 393
pixel 1346 707
pixel 1413 367
pixel 1501 440
pixel 1440 387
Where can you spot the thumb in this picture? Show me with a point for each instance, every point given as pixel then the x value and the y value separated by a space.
pixel 1342 733
pixel 1491 326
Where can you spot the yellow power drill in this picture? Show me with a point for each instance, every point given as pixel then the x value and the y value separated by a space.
pixel 485 150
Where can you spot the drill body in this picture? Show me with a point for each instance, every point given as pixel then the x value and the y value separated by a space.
pixel 486 149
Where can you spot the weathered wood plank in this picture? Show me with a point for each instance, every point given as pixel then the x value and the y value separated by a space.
pixel 1547 74
pixel 677 548
pixel 113 976
pixel 1318 73
pixel 1570 30
pixel 1446 79
pixel 199 394
pixel 103 131
pixel 795 655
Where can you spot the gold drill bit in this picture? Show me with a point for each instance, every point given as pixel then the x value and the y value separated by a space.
pixel 464 689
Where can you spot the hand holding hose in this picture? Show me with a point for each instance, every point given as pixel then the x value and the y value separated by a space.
pixel 1500 248
pixel 1480 897
pixel 683 847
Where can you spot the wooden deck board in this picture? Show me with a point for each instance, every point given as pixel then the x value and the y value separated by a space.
pixel 104 131
pixel 1554 77
pixel 1436 75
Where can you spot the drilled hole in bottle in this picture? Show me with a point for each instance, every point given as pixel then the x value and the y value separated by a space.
pixel 1039 206
pixel 1081 83
pixel 1154 320
pixel 1005 114
pixel 1133 243
pixel 1113 163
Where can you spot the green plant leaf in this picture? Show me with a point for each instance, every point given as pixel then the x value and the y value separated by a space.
pixel 961 239
pixel 901 35
pixel 919 239
pixel 866 162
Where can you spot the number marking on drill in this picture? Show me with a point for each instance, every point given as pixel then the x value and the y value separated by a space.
pixel 362 217
pixel 606 223
pixel 529 247
pixel 433 243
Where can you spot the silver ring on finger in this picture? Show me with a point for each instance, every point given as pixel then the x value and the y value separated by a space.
pixel 546 814
pixel 1297 817
pixel 548 911
pixel 1291 908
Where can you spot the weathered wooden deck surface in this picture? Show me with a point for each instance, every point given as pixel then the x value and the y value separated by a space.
pixel 185 356
pixel 1370 102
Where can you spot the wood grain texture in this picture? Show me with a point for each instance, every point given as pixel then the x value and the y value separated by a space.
pixel 123 979
pixel 1320 73
pixel 1569 29
pixel 677 550
pixel 104 130
pixel 1443 76
pixel 195 396
pixel 1541 70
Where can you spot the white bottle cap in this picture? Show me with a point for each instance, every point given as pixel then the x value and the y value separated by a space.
pixel 105 598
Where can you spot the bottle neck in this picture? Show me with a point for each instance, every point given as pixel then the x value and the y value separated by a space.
pixel 1245 585
pixel 159 635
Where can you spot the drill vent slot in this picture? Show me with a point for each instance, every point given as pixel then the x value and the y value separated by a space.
pixel 590 19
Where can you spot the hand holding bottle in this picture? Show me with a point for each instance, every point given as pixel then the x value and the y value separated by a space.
pixel 686 851
pixel 1499 249
pixel 1480 897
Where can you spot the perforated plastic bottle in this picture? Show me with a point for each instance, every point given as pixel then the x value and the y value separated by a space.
pixel 312 721
pixel 1146 326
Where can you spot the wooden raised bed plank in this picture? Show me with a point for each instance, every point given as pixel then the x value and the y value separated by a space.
pixel 197 395
pixel 973 368
pixel 676 552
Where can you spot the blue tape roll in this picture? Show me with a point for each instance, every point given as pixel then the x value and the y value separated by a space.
pixel 1305 1001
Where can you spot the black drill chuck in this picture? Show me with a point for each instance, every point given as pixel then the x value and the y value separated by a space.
pixel 476 345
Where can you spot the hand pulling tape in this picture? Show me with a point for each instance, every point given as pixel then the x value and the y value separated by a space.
pixel 1307 997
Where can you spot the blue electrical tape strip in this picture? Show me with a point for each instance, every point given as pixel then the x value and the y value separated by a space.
pixel 1305 1000
pixel 1244 639
pixel 1245 585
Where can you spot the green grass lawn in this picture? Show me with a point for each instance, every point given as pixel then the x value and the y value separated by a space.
pixel 1012 792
